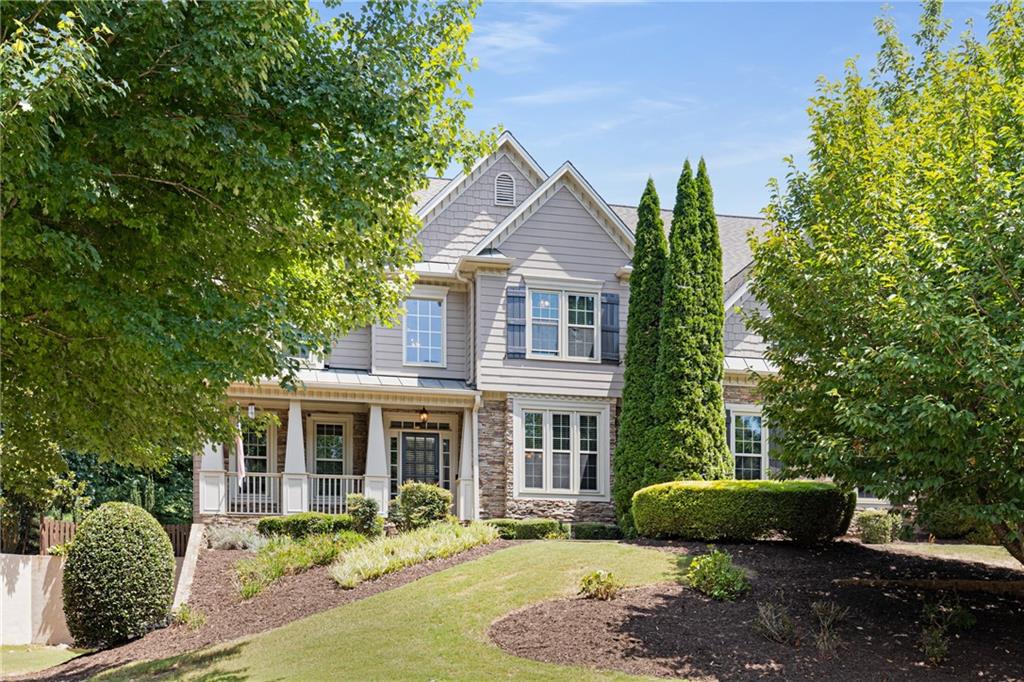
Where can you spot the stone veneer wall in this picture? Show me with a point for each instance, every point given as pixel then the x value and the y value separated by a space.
pixel 740 394
pixel 496 474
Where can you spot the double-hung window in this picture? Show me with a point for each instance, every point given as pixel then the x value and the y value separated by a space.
pixel 563 324
pixel 748 442
pixel 561 449
pixel 424 327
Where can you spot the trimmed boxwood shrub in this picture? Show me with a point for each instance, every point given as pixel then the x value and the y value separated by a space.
pixel 942 521
pixel 527 529
pixel 876 526
pixel 804 511
pixel 587 530
pixel 420 504
pixel 298 526
pixel 119 577
pixel 365 515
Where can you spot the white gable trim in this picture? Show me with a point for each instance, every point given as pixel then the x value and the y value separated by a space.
pixel 736 296
pixel 508 147
pixel 568 177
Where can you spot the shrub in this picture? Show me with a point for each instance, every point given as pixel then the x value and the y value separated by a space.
pixel 599 585
pixel 714 575
pixel 59 550
pixel 391 553
pixel 420 504
pixel 284 556
pixel 804 511
pixel 941 520
pixel 365 515
pixel 982 535
pixel 119 577
pixel 594 531
pixel 876 527
pixel 297 526
pixel 227 537
pixel 774 623
pixel 527 529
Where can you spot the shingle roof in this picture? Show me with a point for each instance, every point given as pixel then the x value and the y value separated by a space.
pixel 732 231
pixel 434 186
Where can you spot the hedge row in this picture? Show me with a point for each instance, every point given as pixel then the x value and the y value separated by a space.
pixel 298 526
pixel 804 511
pixel 526 529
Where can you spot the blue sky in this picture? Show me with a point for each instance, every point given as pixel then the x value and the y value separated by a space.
pixel 628 90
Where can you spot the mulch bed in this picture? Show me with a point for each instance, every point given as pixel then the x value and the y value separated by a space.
pixel 671 631
pixel 215 595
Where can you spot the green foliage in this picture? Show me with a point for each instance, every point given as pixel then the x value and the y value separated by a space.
pixel 69 498
pixel 298 526
pixel 688 441
pixel 803 511
pixel 645 291
pixel 391 553
pixel 283 555
pixel 600 585
pixel 893 273
pixel 941 520
pixel 420 504
pixel 594 531
pixel 59 550
pixel 119 576
pixel 937 619
pixel 714 575
pixel 193 193
pixel 876 527
pixel 188 616
pixel 365 513
pixel 526 529
pixel 229 537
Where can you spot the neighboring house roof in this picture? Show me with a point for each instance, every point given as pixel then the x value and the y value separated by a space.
pixel 732 232
pixel 434 186
pixel 566 176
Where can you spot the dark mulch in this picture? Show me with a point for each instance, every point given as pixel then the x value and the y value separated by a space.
pixel 671 631
pixel 215 595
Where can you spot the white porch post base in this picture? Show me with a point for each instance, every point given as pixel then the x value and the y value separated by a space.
pixel 212 492
pixel 378 488
pixel 294 493
pixel 466 503
pixel 466 506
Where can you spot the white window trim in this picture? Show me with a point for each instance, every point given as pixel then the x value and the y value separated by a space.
pixel 346 422
pixel 547 406
pixel 564 293
pixel 514 194
pixel 753 411
pixel 431 293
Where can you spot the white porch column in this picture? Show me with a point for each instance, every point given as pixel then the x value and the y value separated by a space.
pixel 378 480
pixel 466 501
pixel 294 482
pixel 212 483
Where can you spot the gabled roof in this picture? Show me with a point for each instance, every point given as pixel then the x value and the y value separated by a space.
pixel 434 185
pixel 569 177
pixel 507 145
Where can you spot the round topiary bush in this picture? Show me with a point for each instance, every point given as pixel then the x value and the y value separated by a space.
pixel 119 576
pixel 804 511
pixel 420 504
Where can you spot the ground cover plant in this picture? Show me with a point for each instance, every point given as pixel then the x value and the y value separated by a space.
pixel 599 585
pixel 388 554
pixel 283 556
pixel 804 511
pixel 713 574
pixel 119 576
pixel 230 537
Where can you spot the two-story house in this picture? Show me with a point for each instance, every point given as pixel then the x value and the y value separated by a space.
pixel 503 379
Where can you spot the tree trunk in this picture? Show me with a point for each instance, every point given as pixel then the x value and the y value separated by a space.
pixel 1014 547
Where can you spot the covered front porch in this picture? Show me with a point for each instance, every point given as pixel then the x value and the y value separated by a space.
pixel 328 442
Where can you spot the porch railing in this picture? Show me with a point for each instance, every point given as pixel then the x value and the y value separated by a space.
pixel 329 493
pixel 258 494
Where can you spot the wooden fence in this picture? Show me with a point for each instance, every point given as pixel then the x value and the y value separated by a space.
pixel 53 532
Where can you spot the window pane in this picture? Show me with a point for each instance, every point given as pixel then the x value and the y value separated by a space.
pixel 588 471
pixel 588 433
pixel 588 452
pixel 423 331
pixel 544 306
pixel 747 434
pixel 561 433
pixel 581 342
pixel 560 470
pixel 748 468
pixel 581 310
pixel 534 469
pixel 254 449
pixel 545 339
pixel 533 426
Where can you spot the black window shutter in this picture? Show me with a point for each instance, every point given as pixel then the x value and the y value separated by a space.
pixel 515 322
pixel 776 437
pixel 610 329
pixel 728 429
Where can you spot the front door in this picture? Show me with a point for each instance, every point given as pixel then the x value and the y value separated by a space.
pixel 420 458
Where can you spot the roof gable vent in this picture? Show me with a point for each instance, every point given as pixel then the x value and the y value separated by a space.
pixel 504 190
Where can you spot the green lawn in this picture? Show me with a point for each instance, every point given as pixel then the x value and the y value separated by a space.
pixel 434 628
pixel 988 554
pixel 18 660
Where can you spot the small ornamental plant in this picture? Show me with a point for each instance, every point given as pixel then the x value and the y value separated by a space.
pixel 600 585
pixel 713 574
pixel 420 504
pixel 365 515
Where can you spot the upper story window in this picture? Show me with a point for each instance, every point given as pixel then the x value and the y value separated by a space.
pixel 424 327
pixel 748 443
pixel 562 324
pixel 504 190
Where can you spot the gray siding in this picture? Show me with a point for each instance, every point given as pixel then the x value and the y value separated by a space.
pixel 387 345
pixel 458 227
pixel 739 341
pixel 560 240
pixel 352 351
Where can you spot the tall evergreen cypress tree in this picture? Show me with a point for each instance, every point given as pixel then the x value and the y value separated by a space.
pixel 689 437
pixel 637 421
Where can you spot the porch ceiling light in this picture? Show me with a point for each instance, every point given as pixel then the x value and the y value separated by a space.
pixel 424 416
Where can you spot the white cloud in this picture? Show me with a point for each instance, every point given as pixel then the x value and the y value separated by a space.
pixel 561 95
pixel 514 46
